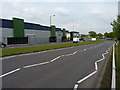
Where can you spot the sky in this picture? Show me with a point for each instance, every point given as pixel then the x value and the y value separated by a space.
pixel 73 15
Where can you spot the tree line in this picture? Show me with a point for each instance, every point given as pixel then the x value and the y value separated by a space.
pixel 115 34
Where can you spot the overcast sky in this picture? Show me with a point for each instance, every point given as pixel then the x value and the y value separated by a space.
pixel 83 15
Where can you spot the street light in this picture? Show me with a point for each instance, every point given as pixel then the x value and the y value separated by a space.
pixel 50 18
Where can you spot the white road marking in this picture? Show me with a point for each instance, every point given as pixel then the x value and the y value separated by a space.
pixel 10 72
pixel 96 70
pixel 84 49
pixel 1 58
pixel 38 63
pixel 32 53
pixel 44 51
pixel 86 77
pixel 76 86
pixel 55 59
pixel 96 67
pixel 33 65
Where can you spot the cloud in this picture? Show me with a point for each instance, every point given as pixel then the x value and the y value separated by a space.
pixel 83 16
pixel 62 11
pixel 97 11
pixel 61 0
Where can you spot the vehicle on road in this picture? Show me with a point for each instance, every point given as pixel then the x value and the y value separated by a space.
pixel 82 39
pixel 2 45
pixel 75 40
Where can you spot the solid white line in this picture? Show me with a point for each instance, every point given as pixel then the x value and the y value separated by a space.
pixel 34 53
pixel 36 65
pixel 86 77
pixel 1 58
pixel 96 69
pixel 55 59
pixel 75 52
pixel 76 86
pixel 10 72
pixel 43 51
pixel 8 57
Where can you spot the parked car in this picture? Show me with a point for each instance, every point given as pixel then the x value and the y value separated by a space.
pixel 2 45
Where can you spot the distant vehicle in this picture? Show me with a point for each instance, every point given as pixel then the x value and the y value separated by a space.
pixel 82 39
pixel 75 40
pixel 2 45
pixel 93 39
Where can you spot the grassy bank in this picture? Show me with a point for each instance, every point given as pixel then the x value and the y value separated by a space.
pixel 106 80
pixel 39 48
pixel 118 66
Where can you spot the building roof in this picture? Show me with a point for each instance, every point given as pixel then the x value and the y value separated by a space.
pixel 74 32
pixel 4 23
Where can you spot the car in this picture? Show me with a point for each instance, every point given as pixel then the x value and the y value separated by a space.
pixel 2 45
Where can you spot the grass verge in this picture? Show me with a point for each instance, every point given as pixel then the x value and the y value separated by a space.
pixel 106 80
pixel 118 66
pixel 14 51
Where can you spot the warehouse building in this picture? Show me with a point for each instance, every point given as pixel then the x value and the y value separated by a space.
pixel 16 31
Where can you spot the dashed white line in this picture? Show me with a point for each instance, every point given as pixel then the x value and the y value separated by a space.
pixel 38 64
pixel 41 63
pixel 84 49
pixel 10 72
pixel 55 59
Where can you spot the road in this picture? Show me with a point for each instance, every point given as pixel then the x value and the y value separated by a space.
pixel 72 67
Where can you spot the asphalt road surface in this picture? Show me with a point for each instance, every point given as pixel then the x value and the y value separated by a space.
pixel 72 67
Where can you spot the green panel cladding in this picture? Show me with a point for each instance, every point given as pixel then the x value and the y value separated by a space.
pixel 64 33
pixel 53 31
pixel 18 27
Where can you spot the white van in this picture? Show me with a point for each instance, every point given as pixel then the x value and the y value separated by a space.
pixel 75 40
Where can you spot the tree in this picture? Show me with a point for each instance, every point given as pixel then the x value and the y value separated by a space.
pixel 92 34
pixel 106 34
pixel 109 35
pixel 99 35
pixel 116 27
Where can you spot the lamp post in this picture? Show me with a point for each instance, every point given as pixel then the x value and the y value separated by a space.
pixel 50 19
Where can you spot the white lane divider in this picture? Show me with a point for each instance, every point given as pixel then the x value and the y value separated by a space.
pixel 55 59
pixel 76 86
pixel 28 66
pixel 91 74
pixel 86 77
pixel 33 65
pixel 38 64
pixel 9 72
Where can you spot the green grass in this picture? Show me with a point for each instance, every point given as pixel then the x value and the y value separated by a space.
pixel 106 80
pixel 118 66
pixel 13 51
